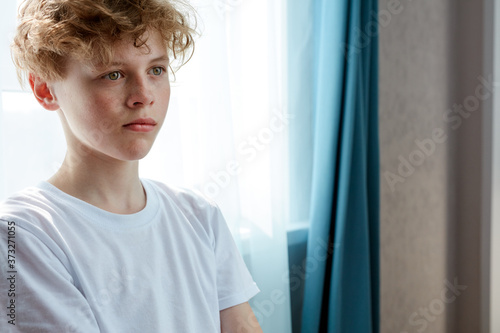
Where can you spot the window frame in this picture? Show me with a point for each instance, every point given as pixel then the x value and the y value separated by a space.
pixel 490 222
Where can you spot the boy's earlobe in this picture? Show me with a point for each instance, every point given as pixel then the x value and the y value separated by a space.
pixel 43 93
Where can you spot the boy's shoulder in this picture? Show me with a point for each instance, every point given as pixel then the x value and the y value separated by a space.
pixel 31 211
pixel 183 196
pixel 199 209
pixel 29 201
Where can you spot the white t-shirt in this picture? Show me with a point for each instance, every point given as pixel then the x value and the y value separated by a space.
pixel 169 268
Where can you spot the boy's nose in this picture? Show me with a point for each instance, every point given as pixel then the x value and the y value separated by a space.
pixel 140 94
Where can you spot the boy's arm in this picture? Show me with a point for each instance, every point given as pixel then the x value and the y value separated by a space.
pixel 239 318
pixel 43 296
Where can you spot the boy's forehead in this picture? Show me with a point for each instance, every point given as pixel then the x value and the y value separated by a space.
pixel 125 50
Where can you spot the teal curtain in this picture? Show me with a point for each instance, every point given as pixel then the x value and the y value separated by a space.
pixel 342 265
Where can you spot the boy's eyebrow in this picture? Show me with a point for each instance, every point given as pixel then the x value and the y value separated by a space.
pixel 161 58
pixel 157 59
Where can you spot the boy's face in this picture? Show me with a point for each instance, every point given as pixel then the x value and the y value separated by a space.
pixel 115 112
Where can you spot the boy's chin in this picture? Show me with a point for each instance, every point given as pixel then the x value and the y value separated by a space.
pixel 136 152
pixel 130 153
pixel 127 155
pixel 136 155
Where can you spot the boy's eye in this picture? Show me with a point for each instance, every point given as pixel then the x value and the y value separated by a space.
pixel 157 70
pixel 113 76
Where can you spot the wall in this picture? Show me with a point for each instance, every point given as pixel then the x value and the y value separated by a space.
pixel 430 57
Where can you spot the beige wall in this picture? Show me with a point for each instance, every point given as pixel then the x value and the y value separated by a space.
pixel 430 56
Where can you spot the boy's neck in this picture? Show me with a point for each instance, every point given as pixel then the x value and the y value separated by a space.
pixel 112 185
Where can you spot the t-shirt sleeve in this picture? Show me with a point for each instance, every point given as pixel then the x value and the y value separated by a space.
pixel 41 286
pixel 234 282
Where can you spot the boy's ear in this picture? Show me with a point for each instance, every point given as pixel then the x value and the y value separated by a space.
pixel 43 93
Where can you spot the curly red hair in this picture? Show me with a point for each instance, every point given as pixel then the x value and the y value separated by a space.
pixel 50 31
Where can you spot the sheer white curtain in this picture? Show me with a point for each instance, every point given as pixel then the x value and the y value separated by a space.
pixel 225 134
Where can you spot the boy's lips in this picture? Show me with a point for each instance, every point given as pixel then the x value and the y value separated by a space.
pixel 141 125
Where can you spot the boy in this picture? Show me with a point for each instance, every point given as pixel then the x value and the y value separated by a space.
pixel 95 248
